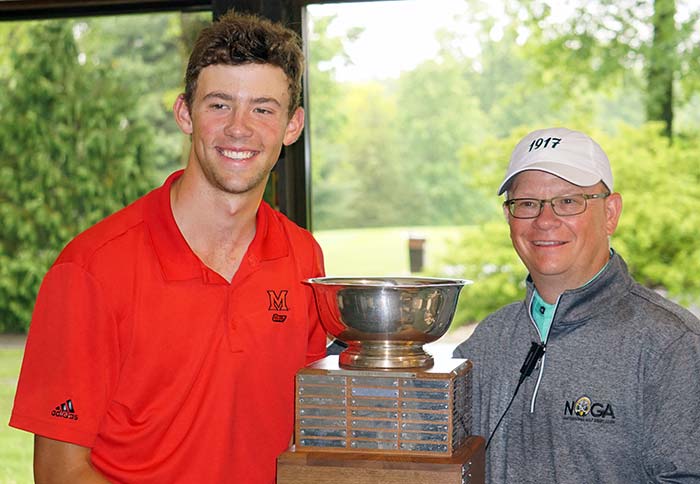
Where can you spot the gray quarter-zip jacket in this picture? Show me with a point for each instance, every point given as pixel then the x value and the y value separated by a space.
pixel 615 399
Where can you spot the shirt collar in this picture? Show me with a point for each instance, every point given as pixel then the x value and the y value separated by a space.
pixel 542 314
pixel 177 259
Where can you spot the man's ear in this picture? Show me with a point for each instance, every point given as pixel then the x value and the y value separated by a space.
pixel 613 210
pixel 294 127
pixel 181 111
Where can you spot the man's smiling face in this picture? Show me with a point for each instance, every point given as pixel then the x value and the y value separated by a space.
pixel 238 122
pixel 562 252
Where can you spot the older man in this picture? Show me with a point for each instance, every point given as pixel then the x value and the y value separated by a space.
pixel 613 367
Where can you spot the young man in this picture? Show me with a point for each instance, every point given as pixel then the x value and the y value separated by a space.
pixel 610 398
pixel 165 339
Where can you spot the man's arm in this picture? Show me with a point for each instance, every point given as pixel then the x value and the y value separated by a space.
pixel 672 390
pixel 57 462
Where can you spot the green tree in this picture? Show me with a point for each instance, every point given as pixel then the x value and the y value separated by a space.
pixel 371 168
pixel 71 151
pixel 660 186
pixel 324 121
pixel 485 256
pixel 662 65
pixel 149 52
pixel 611 43
pixel 331 196
pixel 437 115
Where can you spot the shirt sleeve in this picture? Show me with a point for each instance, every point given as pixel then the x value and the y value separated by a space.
pixel 672 431
pixel 70 360
pixel 316 348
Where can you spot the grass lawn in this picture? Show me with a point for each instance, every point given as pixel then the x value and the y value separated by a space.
pixel 16 446
pixel 381 251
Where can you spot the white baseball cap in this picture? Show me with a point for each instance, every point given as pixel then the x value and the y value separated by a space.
pixel 570 155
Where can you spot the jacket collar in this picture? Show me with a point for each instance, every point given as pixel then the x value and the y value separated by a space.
pixel 576 306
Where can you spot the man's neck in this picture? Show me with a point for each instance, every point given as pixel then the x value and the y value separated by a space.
pixel 551 287
pixel 217 226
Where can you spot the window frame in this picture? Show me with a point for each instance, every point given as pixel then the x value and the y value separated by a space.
pixel 291 177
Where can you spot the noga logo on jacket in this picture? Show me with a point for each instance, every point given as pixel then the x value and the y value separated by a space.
pixel 584 407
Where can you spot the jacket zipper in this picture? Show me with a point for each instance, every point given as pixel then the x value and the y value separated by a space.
pixel 544 356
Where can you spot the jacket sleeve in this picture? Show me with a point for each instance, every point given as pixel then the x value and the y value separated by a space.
pixel 469 349
pixel 672 422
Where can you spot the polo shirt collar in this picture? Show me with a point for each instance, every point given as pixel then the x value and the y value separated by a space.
pixel 269 236
pixel 177 259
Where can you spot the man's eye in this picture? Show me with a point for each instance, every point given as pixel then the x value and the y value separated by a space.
pixel 217 106
pixel 568 201
pixel 262 111
pixel 526 203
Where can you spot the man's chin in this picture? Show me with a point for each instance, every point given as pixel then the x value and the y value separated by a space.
pixel 236 185
pixel 548 272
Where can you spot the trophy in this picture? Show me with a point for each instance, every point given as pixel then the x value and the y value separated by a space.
pixel 384 410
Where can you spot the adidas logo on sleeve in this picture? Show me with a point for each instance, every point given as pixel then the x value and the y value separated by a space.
pixel 65 410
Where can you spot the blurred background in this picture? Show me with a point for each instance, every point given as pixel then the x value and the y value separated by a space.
pixel 413 108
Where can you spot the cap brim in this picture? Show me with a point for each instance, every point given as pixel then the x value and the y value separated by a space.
pixel 575 175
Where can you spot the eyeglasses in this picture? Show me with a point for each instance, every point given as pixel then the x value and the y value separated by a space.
pixel 564 206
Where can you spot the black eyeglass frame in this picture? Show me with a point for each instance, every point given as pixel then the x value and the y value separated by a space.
pixel 586 196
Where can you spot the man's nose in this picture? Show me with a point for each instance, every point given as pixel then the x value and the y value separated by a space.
pixel 547 217
pixel 238 124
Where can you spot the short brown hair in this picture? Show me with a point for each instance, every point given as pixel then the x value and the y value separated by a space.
pixel 239 38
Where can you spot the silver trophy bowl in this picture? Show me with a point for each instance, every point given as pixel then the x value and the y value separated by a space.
pixel 385 321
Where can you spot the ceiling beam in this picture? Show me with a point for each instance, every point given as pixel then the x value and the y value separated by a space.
pixel 44 9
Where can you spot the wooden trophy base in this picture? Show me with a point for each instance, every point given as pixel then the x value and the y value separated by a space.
pixel 465 466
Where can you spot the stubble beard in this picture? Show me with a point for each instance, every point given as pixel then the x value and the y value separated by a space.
pixel 237 186
pixel 233 184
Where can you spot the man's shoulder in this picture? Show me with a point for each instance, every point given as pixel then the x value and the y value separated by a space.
pixel 294 232
pixel 503 315
pixel 497 326
pixel 109 230
pixel 643 308
pixel 500 322
pixel 665 315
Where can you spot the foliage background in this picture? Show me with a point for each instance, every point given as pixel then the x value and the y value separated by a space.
pixel 72 151
pixel 83 133
pixel 424 149
pixel 430 147
pixel 86 128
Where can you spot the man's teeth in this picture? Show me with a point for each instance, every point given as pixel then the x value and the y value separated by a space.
pixel 546 242
pixel 237 155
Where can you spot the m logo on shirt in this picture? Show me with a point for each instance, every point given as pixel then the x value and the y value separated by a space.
pixel 278 302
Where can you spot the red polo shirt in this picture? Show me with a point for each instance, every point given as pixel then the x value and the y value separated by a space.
pixel 168 372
